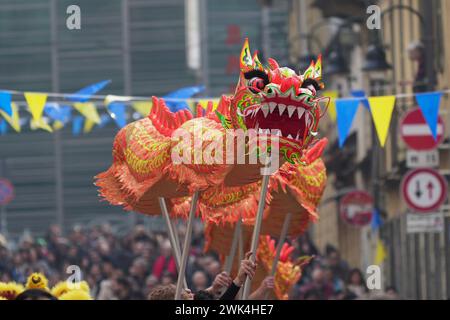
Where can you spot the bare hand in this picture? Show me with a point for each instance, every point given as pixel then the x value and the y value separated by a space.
pixel 247 269
pixel 222 280
pixel 268 283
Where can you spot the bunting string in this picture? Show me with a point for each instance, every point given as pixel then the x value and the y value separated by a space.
pixel 91 109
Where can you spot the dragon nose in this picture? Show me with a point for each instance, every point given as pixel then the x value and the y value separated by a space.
pixel 289 83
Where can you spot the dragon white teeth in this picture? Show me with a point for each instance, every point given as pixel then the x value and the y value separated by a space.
pixel 272 106
pixel 278 133
pixel 291 110
pixel 307 119
pixel 267 131
pixel 260 130
pixel 281 108
pixel 265 109
pixel 298 135
pixel 289 136
pixel 300 111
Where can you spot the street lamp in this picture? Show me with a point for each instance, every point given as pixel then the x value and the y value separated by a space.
pixel 336 63
pixel 376 59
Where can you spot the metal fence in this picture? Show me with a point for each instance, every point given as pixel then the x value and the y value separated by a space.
pixel 417 264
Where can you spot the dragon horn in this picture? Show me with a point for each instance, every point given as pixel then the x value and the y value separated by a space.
pixel 256 63
pixel 309 73
pixel 318 68
pixel 246 61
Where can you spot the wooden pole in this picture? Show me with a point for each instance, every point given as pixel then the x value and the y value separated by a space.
pixel 186 247
pixel 234 245
pixel 173 237
pixel 257 230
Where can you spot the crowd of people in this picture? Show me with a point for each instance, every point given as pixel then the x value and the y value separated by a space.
pixel 140 265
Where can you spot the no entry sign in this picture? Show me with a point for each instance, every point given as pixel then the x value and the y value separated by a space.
pixel 6 191
pixel 417 135
pixel 356 208
pixel 424 190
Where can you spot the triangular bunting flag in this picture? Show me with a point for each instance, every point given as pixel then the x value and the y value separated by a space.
pixel 172 98
pixel 3 127
pixel 40 124
pixel 86 93
pixel 14 120
pixel 56 112
pixel 376 222
pixel 88 110
pixel 381 109
pixel 36 104
pixel 204 103
pixel 332 106
pixel 118 113
pixel 429 104
pixel 345 113
pixel 143 107
pixel 5 103
pixel 361 94
pixel 105 118
pixel 77 125
pixel 88 126
pixel 380 253
pixel 58 125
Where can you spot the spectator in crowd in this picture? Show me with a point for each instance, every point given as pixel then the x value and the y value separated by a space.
pixel 132 265
pixel 319 285
pixel 356 284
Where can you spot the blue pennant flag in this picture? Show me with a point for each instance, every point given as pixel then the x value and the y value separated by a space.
pixel 5 103
pixel 58 112
pixel 345 113
pixel 104 120
pixel 77 125
pixel 3 127
pixel 361 94
pixel 377 221
pixel 118 113
pixel 85 94
pixel 429 104
pixel 183 93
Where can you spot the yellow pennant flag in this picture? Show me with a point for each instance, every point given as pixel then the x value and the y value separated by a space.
pixel 36 103
pixel 381 109
pixel 380 253
pixel 58 125
pixel 204 103
pixel 88 125
pixel 40 124
pixel 88 110
pixel 143 107
pixel 13 120
pixel 333 94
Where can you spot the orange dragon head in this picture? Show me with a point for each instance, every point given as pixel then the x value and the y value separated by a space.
pixel 276 100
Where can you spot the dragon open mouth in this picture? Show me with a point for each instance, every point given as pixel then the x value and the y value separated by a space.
pixel 283 116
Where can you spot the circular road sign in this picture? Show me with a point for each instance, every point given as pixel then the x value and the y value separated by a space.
pixel 424 190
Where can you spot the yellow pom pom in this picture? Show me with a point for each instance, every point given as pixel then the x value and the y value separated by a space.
pixel 76 295
pixel 10 290
pixel 63 287
pixel 37 281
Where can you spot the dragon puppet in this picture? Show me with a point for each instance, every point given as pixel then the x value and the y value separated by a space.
pixel 173 155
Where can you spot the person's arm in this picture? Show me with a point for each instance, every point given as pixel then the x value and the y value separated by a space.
pixel 247 269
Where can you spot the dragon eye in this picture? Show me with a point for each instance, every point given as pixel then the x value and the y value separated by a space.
pixel 256 84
